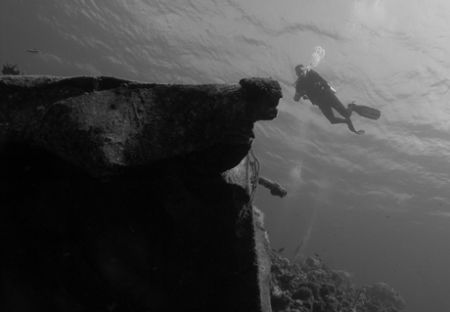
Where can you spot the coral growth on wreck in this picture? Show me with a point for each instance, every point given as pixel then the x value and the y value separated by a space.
pixel 311 286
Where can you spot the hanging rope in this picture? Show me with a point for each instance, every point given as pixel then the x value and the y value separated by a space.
pixel 254 178
pixel 255 167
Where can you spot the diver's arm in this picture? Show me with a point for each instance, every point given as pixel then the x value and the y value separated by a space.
pixel 299 91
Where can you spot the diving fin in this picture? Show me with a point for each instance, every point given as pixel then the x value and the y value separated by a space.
pixel 365 111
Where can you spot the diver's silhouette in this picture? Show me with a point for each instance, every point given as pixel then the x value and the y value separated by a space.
pixel 310 85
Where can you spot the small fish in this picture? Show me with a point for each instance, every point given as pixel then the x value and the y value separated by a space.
pixel 34 51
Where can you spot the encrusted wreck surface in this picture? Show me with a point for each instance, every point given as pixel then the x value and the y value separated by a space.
pixel 124 196
pixel 104 124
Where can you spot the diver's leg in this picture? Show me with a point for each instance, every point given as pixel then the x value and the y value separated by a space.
pixel 340 108
pixel 352 128
pixel 328 112
pixel 351 106
pixel 346 113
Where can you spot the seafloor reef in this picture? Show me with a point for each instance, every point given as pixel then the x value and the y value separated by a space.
pixel 311 286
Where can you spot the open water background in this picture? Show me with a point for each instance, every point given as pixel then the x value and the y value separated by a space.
pixel 377 205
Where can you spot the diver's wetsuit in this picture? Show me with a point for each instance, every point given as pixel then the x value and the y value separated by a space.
pixel 319 93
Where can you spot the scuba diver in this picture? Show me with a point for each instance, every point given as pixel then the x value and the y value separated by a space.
pixel 310 85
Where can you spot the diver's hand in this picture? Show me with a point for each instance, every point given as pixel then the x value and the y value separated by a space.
pixel 360 131
pixel 297 97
